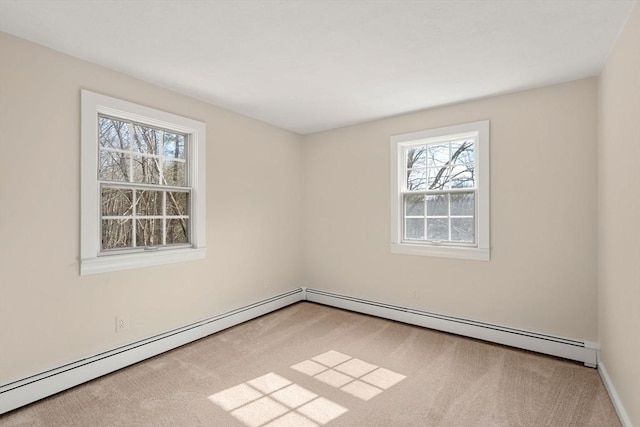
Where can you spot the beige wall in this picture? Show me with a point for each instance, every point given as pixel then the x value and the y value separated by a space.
pixel 49 315
pixel 542 275
pixel 619 213
pixel 544 268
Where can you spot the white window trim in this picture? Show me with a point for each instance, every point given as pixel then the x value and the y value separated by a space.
pixel 91 262
pixel 481 250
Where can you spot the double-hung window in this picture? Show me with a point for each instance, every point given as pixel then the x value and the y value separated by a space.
pixel 142 186
pixel 440 192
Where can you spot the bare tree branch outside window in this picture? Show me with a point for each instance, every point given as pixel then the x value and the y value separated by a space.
pixel 133 158
pixel 438 210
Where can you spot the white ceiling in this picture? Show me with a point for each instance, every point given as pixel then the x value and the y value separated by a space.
pixel 314 65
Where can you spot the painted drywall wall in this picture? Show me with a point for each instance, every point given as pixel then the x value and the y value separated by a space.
pixel 542 273
pixel 49 315
pixel 618 215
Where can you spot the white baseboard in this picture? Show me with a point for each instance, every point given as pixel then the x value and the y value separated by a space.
pixel 613 394
pixel 36 387
pixel 582 351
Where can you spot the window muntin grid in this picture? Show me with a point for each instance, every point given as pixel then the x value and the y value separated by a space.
pixel 439 192
pixel 144 193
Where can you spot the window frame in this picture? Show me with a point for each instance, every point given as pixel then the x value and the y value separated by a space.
pixel 480 250
pixel 92 258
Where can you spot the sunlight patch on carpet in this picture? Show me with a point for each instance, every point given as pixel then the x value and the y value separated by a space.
pixel 273 401
pixel 309 367
pixel 331 358
pixel 354 376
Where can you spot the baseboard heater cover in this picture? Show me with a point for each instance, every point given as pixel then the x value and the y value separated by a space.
pixel 582 351
pixel 27 390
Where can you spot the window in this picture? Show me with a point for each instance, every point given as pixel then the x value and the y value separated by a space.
pixel 440 192
pixel 143 199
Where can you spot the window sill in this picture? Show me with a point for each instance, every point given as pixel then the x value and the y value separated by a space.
pixel 477 254
pixel 104 264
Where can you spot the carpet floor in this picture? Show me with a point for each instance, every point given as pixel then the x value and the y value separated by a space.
pixel 312 365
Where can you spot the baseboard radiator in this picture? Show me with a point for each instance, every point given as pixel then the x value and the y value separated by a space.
pixel 36 387
pixel 27 390
pixel 581 351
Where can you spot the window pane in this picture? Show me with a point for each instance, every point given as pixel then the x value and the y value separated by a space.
pixel 437 205
pixel 416 157
pixel 414 228
pixel 147 140
pixel 462 176
pixel 117 202
pixel 437 155
pixel 113 133
pixel 145 170
pixel 173 145
pixel 177 203
pixel 177 231
pixel 148 232
pixel 116 233
pixel 463 204
pixel 437 178
pixel 113 166
pixel 148 203
pixel 463 152
pixel 462 229
pixel 437 229
pixel 174 173
pixel 414 205
pixel 416 179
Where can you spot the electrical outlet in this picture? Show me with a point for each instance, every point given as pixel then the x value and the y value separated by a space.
pixel 122 323
pixel 265 284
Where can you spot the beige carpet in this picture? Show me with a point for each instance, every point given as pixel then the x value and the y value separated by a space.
pixel 310 365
